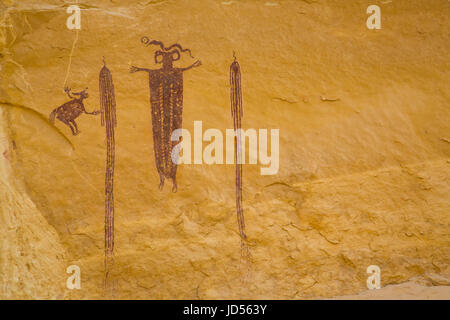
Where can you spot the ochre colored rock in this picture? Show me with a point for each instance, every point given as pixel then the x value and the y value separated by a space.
pixel 364 124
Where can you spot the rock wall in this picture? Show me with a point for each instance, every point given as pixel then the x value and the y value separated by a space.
pixel 364 149
pixel 32 259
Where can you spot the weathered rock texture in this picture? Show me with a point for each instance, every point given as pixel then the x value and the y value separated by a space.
pixel 364 123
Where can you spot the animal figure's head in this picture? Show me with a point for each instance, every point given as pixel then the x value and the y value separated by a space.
pixel 166 55
pixel 83 94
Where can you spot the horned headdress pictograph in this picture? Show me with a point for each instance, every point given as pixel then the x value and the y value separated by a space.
pixel 166 100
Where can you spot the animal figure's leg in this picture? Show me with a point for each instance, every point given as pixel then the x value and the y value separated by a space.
pixel 75 125
pixel 67 123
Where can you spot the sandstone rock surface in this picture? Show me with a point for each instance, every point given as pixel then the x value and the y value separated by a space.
pixel 364 172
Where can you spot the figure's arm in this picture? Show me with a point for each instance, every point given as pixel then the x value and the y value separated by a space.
pixel 95 112
pixel 196 64
pixel 134 69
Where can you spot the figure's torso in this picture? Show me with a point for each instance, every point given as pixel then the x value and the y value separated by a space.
pixel 166 78
pixel 71 109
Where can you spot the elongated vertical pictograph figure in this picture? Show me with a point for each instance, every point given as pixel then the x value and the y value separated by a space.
pixel 237 113
pixel 108 111
pixel 166 100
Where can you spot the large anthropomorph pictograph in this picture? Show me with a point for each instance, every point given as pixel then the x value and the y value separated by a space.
pixel 166 99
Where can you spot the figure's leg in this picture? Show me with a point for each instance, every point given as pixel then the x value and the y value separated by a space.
pixel 174 184
pixel 173 176
pixel 176 123
pixel 67 123
pixel 161 181
pixel 75 125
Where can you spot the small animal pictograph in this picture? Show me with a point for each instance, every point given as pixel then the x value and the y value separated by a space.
pixel 69 111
